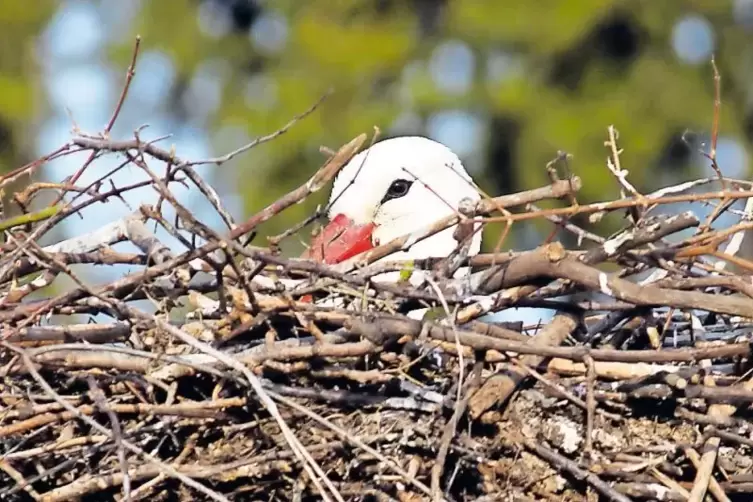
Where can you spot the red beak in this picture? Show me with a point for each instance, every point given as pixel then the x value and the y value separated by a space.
pixel 339 240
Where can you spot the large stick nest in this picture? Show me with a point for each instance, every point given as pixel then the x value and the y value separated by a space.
pixel 209 372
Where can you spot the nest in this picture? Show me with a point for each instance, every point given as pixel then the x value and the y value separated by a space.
pixel 241 379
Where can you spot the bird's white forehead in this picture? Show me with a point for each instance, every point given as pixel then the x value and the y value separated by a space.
pixel 361 184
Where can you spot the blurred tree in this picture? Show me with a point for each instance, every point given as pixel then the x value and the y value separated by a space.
pixel 20 26
pixel 546 76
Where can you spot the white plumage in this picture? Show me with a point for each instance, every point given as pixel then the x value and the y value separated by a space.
pixel 438 183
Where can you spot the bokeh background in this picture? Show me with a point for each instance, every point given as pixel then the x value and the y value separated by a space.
pixel 505 84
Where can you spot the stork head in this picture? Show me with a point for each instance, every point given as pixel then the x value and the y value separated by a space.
pixel 396 187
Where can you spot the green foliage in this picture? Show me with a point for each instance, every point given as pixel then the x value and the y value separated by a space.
pixel 20 25
pixel 542 27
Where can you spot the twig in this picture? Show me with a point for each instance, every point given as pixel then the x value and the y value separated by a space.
pixel 715 123
pixel 590 404
pixel 309 465
pixel 99 398
pixel 103 430
pixel 714 487
pixel 262 139
pixel 116 112
pixel 449 431
pixel 572 468
pixel 130 73
pixel 355 441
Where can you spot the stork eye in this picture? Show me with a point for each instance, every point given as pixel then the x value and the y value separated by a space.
pixel 397 189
